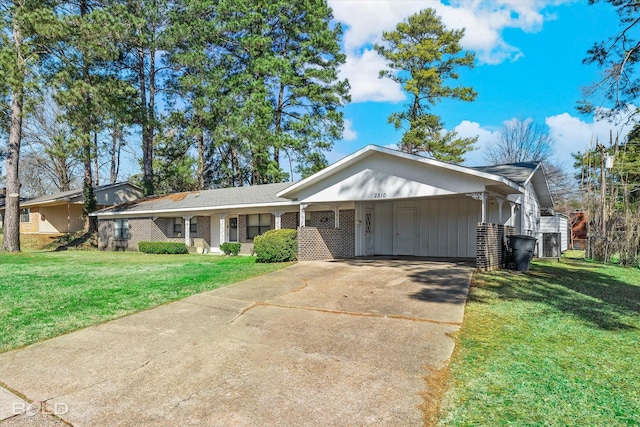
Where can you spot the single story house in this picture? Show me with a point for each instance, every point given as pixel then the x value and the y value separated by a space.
pixel 376 201
pixel 62 212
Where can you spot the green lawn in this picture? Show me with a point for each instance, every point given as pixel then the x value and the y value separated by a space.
pixel 557 346
pixel 47 294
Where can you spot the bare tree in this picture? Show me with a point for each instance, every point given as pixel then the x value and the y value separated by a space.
pixel 52 164
pixel 520 141
pixel 525 141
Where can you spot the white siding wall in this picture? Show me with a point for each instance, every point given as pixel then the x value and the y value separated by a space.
pixel 556 224
pixel 444 227
pixel 530 212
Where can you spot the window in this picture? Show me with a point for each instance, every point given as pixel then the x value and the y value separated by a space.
pixel 193 227
pixel 258 224
pixel 25 215
pixel 177 225
pixel 121 229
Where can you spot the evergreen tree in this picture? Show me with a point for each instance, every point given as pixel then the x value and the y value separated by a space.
pixel 81 68
pixel 20 50
pixel 423 56
pixel 261 78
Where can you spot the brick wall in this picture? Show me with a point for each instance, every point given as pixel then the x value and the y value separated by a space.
pixel 319 243
pixel 289 220
pixel 491 246
pixel 149 229
pixel 320 240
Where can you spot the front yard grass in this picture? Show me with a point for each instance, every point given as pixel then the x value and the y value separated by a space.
pixel 47 294
pixel 557 346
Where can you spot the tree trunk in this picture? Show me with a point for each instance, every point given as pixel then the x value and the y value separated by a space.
pixel 148 107
pixel 11 239
pixel 115 154
pixel 200 144
pixel 96 161
pixel 90 203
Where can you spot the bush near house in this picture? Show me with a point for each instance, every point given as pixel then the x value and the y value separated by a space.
pixel 276 246
pixel 230 248
pixel 162 248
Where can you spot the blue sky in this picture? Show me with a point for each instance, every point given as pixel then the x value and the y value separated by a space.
pixel 528 66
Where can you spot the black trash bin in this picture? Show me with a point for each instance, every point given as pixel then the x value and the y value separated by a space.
pixel 521 251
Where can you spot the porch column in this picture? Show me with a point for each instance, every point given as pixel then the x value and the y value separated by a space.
pixel 512 220
pixel 484 207
pixel 187 230
pixel 303 207
pixel 223 228
pixel 336 216
pixel 278 216
pixel 500 201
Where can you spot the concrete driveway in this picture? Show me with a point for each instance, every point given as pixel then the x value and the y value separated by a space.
pixel 318 343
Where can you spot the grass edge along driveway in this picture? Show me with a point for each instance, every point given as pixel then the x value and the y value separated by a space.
pixel 46 294
pixel 556 346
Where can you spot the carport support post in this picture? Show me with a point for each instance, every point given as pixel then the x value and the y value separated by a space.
pixel 223 228
pixel 303 207
pixel 278 216
pixel 512 221
pixel 187 230
pixel 483 197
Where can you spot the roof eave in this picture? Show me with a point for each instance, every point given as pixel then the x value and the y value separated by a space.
pixel 370 149
pixel 198 209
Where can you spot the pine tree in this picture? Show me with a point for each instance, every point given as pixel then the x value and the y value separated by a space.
pixel 422 56
pixel 20 54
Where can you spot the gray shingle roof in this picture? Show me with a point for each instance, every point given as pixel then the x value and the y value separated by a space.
pixel 75 196
pixel 218 198
pixel 516 172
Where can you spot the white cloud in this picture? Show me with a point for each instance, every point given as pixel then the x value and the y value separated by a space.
pixel 573 135
pixel 483 20
pixel 362 72
pixel 348 134
pixel 467 129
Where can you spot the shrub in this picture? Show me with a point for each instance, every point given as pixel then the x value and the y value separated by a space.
pixel 230 248
pixel 162 248
pixel 276 246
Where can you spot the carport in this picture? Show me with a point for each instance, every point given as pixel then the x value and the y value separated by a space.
pixel 401 204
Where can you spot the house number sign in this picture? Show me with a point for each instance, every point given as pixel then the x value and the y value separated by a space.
pixel 379 195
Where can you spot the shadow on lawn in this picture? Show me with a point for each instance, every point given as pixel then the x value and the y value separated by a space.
pixel 588 293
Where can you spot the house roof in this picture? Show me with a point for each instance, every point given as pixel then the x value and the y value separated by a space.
pixel 205 200
pixel 516 172
pixel 290 192
pixel 524 173
pixel 73 196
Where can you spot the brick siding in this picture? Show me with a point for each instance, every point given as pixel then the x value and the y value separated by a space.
pixel 491 246
pixel 321 241
pixel 149 229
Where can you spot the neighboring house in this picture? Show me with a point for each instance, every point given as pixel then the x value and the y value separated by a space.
pixel 579 227
pixel 376 201
pixel 62 212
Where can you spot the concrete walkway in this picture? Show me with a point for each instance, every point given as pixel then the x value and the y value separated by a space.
pixel 318 343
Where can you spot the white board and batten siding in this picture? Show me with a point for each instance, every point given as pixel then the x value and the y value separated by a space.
pixel 430 228
pixel 530 212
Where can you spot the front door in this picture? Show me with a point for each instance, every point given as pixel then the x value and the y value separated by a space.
pixel 233 229
pixel 405 231
pixel 368 232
